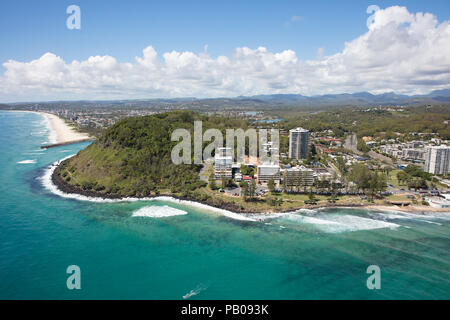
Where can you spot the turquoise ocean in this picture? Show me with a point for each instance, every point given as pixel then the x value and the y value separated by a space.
pixel 167 250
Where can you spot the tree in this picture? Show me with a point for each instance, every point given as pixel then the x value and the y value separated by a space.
pixel 271 201
pixel 417 183
pixel 285 187
pixel 415 171
pixel 377 183
pixel 224 180
pixel 360 175
pixel 212 181
pixel 388 170
pixel 245 190
pixel 271 185
pixel 280 202
pixel 362 146
pixel 341 165
pixel 402 177
pixel 252 188
pixel 311 195
pixel 313 150
pixel 248 171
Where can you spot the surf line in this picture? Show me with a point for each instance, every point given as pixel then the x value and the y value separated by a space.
pixel 193 310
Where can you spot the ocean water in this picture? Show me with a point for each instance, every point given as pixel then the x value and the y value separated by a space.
pixel 167 250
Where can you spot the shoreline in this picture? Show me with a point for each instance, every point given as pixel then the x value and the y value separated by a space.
pixel 64 133
pixel 226 208
pixel 60 132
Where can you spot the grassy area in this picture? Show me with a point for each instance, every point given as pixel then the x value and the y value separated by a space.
pixel 392 179
pixel 290 201
pixel 395 197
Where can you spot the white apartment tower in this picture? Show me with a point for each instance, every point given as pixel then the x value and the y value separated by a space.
pixel 223 162
pixel 437 160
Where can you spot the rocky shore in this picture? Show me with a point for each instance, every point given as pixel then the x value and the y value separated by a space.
pixel 62 185
pixel 70 189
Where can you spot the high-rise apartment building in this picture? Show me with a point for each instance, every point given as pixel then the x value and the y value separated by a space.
pixel 437 160
pixel 298 143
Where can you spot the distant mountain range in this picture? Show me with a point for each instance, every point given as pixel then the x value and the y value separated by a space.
pixel 266 101
pixel 359 98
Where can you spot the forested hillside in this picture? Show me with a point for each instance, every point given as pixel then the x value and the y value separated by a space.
pixel 133 157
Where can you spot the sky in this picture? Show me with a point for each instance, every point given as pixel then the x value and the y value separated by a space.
pixel 158 49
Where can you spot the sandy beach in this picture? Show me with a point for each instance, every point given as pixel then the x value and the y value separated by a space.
pixel 64 132
pixel 408 209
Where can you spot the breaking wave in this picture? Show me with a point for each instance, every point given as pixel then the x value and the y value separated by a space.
pixel 158 212
pixel 27 162
pixel 194 292
pixel 335 223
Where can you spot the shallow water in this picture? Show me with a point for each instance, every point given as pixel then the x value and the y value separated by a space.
pixel 165 250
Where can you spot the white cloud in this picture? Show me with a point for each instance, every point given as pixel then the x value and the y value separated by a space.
pixel 401 51
pixel 292 19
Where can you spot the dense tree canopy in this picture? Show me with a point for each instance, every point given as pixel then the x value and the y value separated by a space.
pixel 133 157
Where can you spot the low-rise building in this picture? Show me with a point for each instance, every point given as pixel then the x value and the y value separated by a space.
pixel 413 154
pixel 268 171
pixel 298 177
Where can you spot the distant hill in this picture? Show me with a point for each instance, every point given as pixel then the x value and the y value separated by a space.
pixel 133 158
pixel 359 98
pixel 265 101
pixel 440 93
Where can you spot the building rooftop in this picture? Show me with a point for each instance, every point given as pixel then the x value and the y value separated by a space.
pixel 298 130
pixel 269 166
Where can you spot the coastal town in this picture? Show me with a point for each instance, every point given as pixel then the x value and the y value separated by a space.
pixel 316 165
pixel 308 168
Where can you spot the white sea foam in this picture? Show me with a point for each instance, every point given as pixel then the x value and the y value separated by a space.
pixel 355 223
pixel 194 292
pixel 438 215
pixel 312 220
pixel 273 216
pixel 52 135
pixel 407 216
pixel 335 223
pixel 229 214
pixel 32 153
pixel 27 162
pixel 158 212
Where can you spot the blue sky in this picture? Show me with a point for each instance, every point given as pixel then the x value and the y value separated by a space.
pixel 122 29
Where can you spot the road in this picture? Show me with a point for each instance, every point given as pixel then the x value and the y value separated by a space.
pixel 351 143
